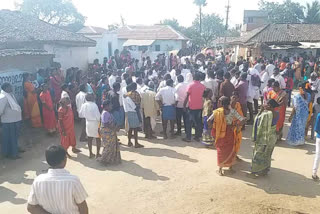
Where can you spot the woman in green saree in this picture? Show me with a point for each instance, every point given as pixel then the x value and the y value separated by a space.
pixel 265 138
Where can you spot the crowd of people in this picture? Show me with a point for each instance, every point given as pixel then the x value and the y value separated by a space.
pixel 218 96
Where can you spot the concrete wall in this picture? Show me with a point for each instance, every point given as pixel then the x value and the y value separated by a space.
pixel 25 63
pixel 69 56
pixel 101 49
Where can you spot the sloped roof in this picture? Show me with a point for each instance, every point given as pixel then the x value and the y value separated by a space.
pixel 287 33
pixel 154 32
pixel 17 27
pixel 17 52
pixel 92 30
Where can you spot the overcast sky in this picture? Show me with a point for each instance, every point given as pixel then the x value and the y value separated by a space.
pixel 101 13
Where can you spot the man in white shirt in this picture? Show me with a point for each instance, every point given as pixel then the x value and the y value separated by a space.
pixel 80 100
pixel 180 96
pixel 187 75
pixel 253 92
pixel 212 84
pixel 91 113
pixel 113 78
pixel 57 191
pixel 315 86
pixel 166 100
pixel 258 65
pixel 163 83
pixel 277 76
pixel 270 67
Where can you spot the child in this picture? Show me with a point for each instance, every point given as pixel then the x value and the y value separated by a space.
pixel 207 139
pixel 316 111
pixel 136 98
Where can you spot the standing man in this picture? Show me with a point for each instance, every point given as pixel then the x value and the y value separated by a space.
pixel 10 113
pixel 80 100
pixel 277 77
pixel 242 89
pixel 150 109
pixel 57 191
pixel 212 84
pixel 226 88
pixel 113 77
pixel 180 96
pixel 91 113
pixel 166 100
pixel 194 100
pixel 253 92
pixel 270 68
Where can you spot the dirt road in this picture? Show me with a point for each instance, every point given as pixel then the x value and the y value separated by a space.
pixel 171 177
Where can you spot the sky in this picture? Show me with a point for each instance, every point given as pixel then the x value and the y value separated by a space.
pixel 101 13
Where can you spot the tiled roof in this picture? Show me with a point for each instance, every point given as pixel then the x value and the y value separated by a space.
pixel 16 52
pixel 92 30
pixel 285 33
pixel 155 32
pixel 18 27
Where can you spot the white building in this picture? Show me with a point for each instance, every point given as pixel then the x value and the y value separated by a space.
pixel 140 40
pixel 24 32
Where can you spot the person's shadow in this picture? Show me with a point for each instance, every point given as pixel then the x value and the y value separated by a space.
pixel 9 195
pixel 278 181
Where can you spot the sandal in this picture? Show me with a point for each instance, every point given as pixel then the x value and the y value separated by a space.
pixel 315 177
pixel 220 172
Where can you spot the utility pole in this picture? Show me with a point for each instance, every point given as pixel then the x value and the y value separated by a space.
pixel 227 25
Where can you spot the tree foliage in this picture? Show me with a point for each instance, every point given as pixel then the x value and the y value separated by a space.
pixel 172 23
pixel 57 12
pixel 285 12
pixel 313 12
pixel 200 3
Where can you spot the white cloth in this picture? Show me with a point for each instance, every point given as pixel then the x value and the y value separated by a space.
pixel 64 94
pixel 315 87
pixel 9 115
pixel 253 91
pixel 233 58
pixel 187 76
pixel 181 93
pixel 80 100
pixel 234 81
pixel 166 95
pixel 317 157
pixel 112 79
pixel 280 79
pixel 258 67
pixel 91 113
pixel 214 86
pixel 173 76
pixel 264 76
pixel 162 84
pixel 12 101
pixel 128 105
pixel 57 192
pixel 270 68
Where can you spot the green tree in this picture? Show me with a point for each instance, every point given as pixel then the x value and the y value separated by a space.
pixel 212 27
pixel 200 4
pixel 313 13
pixel 57 12
pixel 113 27
pixel 285 12
pixel 172 23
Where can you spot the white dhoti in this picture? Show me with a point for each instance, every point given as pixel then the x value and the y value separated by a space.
pixel 92 127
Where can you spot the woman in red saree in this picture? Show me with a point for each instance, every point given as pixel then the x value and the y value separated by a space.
pixel 223 132
pixel 56 82
pixel 49 118
pixel 66 126
pixel 281 98
pixel 31 108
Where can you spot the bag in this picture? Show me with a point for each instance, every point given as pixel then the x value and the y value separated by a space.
pixel 255 80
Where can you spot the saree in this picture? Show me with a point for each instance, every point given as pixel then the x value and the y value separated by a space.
pixel 56 82
pixel 237 132
pixel 265 138
pixel 31 107
pixel 279 96
pixel 224 139
pixel 66 116
pixel 49 118
pixel 111 152
pixel 296 134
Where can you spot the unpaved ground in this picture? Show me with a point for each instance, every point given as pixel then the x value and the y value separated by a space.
pixel 171 177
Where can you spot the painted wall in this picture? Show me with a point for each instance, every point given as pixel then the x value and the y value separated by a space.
pixel 165 45
pixel 25 63
pixel 101 49
pixel 69 56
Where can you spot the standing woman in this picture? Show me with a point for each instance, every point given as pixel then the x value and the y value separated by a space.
pixel 299 117
pixel 281 97
pixel 223 132
pixel 31 107
pixel 66 126
pixel 49 118
pixel 207 138
pixel 111 151
pixel 56 83
pixel 265 138
pixel 235 104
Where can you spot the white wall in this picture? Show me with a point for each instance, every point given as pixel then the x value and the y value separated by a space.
pixel 167 45
pixel 69 56
pixel 101 49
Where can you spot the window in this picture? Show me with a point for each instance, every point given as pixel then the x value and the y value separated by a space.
pixel 250 19
pixel 142 48
pixel 157 47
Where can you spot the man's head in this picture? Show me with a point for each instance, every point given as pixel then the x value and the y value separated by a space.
pixel 180 79
pixel 167 77
pixel 197 76
pixel 90 97
pixel 243 76
pixel 116 86
pixel 169 82
pixel 139 81
pixel 83 87
pixel 211 74
pixel 151 85
pixel 314 76
pixel 56 156
pixel 6 87
pixel 276 71
pixel 227 76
